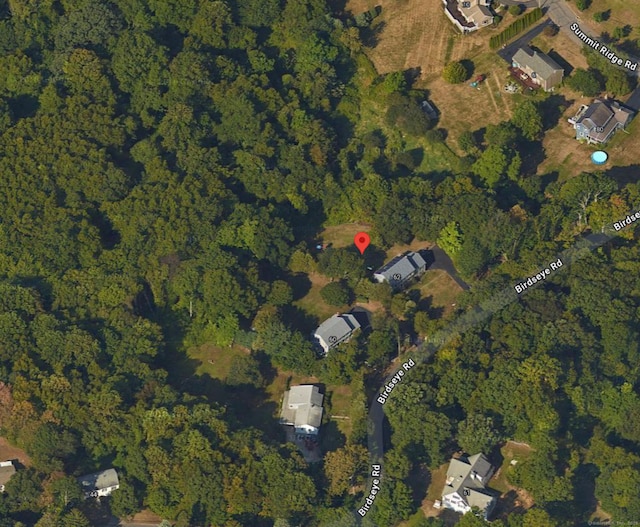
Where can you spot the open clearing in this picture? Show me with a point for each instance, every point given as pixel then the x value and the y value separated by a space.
pixel 439 290
pixel 10 452
pixel 512 498
pixel 416 35
pixel 214 361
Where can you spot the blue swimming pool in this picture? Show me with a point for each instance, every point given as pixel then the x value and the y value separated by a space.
pixel 599 157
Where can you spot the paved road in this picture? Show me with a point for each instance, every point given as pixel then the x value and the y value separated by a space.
pixel 509 50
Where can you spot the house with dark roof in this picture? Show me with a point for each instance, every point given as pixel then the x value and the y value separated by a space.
pixel 99 484
pixel 597 122
pixel 339 328
pixel 7 469
pixel 468 15
pixel 302 409
pixel 540 68
pixel 401 269
pixel 466 485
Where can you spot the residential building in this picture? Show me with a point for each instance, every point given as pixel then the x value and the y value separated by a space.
pixel 302 409
pixel 468 15
pixel 541 69
pixel 466 483
pixel 99 484
pixel 339 328
pixel 7 469
pixel 597 122
pixel 401 269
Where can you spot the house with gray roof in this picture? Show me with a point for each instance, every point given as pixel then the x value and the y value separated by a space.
pixel 339 328
pixel 598 122
pixel 302 409
pixel 7 469
pixel 401 269
pixel 540 68
pixel 99 484
pixel 466 485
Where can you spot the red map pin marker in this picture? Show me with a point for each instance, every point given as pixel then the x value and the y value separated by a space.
pixel 362 241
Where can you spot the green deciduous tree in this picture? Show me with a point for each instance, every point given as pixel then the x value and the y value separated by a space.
pixel 455 73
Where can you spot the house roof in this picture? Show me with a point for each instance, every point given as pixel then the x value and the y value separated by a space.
pixel 540 63
pixel 302 405
pixel 479 498
pixel 475 11
pixel 99 480
pixel 602 116
pixel 337 327
pixel 7 469
pixel 402 266
pixel 461 476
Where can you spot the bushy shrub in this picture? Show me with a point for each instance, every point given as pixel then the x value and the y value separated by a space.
pixel 455 73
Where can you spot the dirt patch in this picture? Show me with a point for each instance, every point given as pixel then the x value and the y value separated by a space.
pixel 146 516
pixel 9 452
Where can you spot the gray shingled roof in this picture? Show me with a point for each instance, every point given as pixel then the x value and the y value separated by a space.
pixel 459 478
pixel 337 327
pixel 302 405
pixel 540 63
pixel 598 114
pixel 402 266
pixel 99 480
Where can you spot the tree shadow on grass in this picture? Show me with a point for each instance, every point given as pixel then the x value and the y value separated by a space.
pixel 370 36
pixel 300 285
pixel 331 438
pixel 624 175
pixel 552 108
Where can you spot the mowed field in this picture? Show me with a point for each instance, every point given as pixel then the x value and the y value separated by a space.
pixel 416 35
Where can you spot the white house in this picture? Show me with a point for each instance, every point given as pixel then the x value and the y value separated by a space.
pixel 465 486
pixel 99 484
pixel 302 409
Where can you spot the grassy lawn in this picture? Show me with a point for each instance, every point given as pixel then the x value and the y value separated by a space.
pixel 342 235
pixel 569 157
pixel 438 291
pixel 214 361
pixel 622 13
pixel 438 477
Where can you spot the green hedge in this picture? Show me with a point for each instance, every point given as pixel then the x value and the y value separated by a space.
pixel 516 27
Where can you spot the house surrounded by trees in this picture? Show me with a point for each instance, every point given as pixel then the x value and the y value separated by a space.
pixel 99 484
pixel 339 328
pixel 465 486
pixel 302 409
pixel 401 269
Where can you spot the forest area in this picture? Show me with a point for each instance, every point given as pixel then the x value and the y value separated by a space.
pixel 166 169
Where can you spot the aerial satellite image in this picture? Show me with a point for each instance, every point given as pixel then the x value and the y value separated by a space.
pixel 319 263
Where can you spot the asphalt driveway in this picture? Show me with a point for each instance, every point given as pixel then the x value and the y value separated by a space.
pixel 508 51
